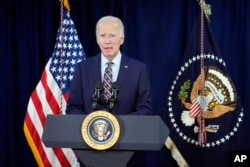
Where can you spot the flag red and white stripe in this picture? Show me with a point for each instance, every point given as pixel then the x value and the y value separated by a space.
pixel 195 109
pixel 51 94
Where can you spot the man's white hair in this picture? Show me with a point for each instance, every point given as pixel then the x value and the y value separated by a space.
pixel 111 18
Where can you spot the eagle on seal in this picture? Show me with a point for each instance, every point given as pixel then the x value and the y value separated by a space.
pixel 101 129
pixel 217 93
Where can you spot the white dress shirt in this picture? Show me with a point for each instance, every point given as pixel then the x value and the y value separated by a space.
pixel 115 67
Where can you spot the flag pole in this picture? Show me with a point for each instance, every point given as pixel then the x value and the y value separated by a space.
pixel 202 135
pixel 61 53
pixel 63 3
pixel 205 9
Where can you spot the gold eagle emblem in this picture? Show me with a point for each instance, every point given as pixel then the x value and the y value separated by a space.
pixel 218 96
pixel 101 129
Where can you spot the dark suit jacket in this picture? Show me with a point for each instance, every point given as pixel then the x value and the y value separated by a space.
pixel 134 95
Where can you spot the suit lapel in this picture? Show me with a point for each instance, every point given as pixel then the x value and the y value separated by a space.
pixel 96 68
pixel 124 68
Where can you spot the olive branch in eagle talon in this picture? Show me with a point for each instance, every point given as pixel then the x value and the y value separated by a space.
pixel 183 93
pixel 94 134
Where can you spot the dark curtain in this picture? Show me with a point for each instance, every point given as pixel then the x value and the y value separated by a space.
pixel 156 34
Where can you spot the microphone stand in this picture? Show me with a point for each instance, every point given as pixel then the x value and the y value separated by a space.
pixel 113 99
pixel 109 105
pixel 96 96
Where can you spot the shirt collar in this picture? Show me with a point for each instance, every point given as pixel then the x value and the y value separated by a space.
pixel 116 60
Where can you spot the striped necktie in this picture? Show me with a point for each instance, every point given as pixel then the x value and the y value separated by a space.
pixel 107 81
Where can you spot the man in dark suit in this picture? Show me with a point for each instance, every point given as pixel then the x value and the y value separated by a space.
pixel 134 96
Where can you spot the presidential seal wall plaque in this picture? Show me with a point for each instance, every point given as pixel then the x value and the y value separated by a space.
pixel 100 130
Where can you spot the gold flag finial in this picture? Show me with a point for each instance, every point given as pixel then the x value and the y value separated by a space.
pixel 66 4
pixel 206 8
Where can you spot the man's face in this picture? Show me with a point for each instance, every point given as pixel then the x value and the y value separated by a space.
pixel 109 38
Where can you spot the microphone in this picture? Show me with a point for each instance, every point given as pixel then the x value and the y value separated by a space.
pixel 96 96
pixel 114 92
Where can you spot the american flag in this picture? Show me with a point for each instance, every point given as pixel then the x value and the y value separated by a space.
pixel 51 94
pixel 195 109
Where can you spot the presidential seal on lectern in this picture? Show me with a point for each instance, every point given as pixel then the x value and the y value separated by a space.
pixel 100 130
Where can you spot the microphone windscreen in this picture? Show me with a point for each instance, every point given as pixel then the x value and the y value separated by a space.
pixel 99 85
pixel 115 85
